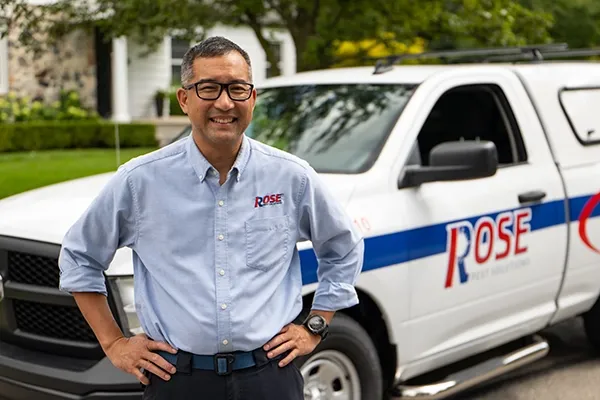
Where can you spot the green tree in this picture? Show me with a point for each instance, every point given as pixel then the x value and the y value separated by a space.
pixel 576 22
pixel 317 27
pixel 313 25
pixel 446 24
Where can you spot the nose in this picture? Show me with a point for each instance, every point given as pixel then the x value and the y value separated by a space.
pixel 223 102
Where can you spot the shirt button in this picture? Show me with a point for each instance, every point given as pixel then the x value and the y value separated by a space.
pixel 221 237
pixel 222 272
pixel 225 342
pixel 223 306
pixel 221 202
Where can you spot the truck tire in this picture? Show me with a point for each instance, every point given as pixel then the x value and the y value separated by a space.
pixel 346 362
pixel 591 324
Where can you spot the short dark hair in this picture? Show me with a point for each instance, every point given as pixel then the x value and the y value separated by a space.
pixel 214 46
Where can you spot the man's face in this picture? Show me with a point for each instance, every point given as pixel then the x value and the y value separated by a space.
pixel 220 121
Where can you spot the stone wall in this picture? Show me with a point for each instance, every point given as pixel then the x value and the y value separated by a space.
pixel 70 65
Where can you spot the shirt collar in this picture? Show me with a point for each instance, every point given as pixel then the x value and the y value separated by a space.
pixel 242 158
pixel 202 166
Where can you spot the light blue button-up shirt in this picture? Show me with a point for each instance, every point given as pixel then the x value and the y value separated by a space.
pixel 216 268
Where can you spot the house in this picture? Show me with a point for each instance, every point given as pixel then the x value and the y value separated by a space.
pixel 115 77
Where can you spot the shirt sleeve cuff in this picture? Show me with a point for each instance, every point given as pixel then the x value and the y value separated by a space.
pixel 334 296
pixel 74 278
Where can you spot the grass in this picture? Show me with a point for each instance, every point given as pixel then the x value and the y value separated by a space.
pixel 20 172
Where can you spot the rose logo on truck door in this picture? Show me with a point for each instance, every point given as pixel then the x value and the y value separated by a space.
pixel 486 240
pixel 586 213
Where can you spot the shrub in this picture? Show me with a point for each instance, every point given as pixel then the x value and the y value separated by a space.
pixel 22 109
pixel 45 135
pixel 174 107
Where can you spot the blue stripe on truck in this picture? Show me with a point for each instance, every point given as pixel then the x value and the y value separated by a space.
pixel 413 244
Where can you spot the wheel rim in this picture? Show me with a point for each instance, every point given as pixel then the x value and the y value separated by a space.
pixel 330 374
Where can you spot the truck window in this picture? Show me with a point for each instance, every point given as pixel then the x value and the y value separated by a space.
pixel 336 128
pixel 470 113
pixel 583 117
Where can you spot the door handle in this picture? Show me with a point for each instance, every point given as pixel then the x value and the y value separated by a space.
pixel 534 195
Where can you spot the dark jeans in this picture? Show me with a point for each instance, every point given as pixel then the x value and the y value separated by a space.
pixel 264 382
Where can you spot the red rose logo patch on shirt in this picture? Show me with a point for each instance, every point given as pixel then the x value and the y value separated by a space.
pixel 268 200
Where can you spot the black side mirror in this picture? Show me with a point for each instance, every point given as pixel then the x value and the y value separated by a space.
pixel 450 161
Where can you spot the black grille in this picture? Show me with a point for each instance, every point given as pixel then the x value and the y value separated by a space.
pixel 33 269
pixel 52 321
pixel 35 315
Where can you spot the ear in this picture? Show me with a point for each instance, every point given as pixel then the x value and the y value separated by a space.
pixel 182 98
pixel 253 97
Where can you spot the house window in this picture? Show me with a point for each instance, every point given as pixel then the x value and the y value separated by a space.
pixel 3 66
pixel 276 49
pixel 178 49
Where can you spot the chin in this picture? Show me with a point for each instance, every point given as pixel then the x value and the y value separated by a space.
pixel 224 137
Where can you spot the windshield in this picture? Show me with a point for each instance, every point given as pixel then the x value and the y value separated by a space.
pixel 336 128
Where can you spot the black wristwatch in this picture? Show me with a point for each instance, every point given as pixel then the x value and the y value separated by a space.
pixel 317 325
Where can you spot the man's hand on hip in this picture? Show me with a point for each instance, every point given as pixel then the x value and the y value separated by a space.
pixel 294 338
pixel 131 354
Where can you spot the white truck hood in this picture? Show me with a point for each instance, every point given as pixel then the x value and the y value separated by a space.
pixel 46 214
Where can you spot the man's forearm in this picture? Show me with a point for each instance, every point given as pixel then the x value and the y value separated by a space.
pixel 96 311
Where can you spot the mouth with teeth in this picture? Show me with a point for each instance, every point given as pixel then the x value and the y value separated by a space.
pixel 223 120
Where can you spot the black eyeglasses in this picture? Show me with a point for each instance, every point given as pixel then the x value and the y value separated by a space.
pixel 211 90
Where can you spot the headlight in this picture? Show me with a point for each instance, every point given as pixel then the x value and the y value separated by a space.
pixel 125 303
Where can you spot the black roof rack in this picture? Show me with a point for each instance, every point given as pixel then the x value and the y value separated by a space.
pixel 484 55
pixel 551 55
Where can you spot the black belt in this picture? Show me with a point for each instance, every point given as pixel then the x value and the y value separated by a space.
pixel 222 363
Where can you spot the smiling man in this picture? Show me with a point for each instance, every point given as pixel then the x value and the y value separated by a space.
pixel 213 221
pixel 208 71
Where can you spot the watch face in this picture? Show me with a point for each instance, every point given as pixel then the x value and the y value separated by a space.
pixel 316 324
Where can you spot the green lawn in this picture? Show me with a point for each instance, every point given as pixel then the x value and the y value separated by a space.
pixel 24 171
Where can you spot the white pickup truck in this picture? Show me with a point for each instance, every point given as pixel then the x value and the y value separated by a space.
pixel 477 188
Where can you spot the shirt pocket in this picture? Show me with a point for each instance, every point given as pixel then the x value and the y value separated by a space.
pixel 267 242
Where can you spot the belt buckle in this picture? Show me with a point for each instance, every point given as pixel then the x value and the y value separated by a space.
pixel 224 363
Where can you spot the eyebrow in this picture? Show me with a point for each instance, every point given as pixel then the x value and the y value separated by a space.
pixel 217 81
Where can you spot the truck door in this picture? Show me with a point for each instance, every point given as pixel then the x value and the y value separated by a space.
pixel 575 135
pixel 486 255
